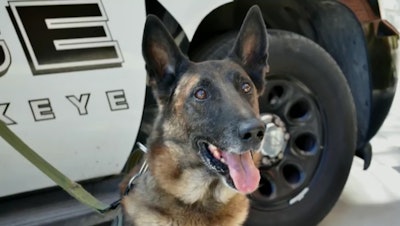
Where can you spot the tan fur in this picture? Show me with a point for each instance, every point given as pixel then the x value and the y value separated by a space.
pixel 183 90
pixel 167 195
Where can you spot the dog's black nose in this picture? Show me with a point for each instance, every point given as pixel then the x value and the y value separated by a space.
pixel 251 131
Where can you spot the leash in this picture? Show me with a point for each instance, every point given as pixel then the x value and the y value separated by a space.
pixel 72 188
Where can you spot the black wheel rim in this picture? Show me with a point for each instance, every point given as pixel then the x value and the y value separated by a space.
pixel 287 180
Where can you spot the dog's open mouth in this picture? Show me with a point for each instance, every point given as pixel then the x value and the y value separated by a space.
pixel 238 169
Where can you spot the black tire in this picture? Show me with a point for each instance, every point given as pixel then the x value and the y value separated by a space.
pixel 307 90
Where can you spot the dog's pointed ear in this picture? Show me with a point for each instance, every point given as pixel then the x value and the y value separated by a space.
pixel 162 56
pixel 251 47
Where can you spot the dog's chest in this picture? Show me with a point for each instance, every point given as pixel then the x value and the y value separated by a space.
pixel 153 206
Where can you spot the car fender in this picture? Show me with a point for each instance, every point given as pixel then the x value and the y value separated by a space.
pixel 79 109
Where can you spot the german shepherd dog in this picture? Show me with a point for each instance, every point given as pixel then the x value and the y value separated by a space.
pixel 204 147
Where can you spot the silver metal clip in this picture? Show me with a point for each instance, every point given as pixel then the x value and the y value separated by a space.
pixel 142 170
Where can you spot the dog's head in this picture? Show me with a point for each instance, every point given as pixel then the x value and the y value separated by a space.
pixel 212 106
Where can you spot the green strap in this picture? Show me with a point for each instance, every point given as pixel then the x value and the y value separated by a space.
pixel 73 188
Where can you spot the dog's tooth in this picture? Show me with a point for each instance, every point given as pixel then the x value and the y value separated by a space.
pixel 212 147
pixel 222 160
pixel 214 151
pixel 217 154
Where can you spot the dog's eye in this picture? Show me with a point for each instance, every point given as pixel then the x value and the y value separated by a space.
pixel 201 94
pixel 246 87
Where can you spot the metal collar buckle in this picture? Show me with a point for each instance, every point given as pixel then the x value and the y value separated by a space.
pixel 142 170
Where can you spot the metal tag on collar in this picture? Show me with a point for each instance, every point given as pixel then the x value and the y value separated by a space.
pixel 142 170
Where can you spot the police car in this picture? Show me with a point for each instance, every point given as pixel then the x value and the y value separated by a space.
pixel 73 87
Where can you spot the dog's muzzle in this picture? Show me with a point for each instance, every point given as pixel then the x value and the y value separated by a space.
pixel 238 170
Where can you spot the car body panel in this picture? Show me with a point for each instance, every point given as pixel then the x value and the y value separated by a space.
pixel 84 121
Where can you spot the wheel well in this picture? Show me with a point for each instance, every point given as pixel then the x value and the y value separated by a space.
pixel 289 15
pixel 328 23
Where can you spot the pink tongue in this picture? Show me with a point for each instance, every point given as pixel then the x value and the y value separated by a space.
pixel 243 172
